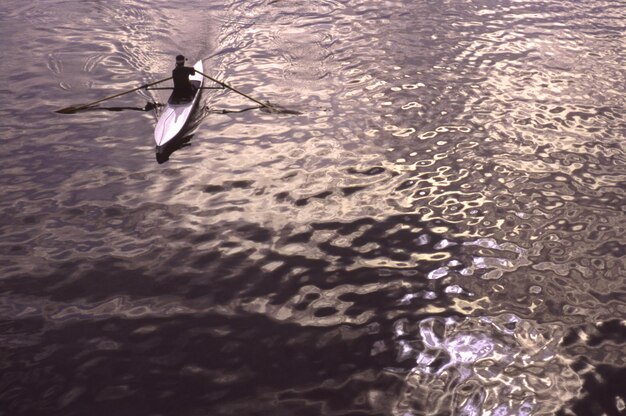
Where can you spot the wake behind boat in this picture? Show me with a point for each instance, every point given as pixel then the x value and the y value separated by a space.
pixel 175 117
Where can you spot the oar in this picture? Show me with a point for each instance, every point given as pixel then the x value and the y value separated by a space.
pixel 266 105
pixel 171 88
pixel 74 108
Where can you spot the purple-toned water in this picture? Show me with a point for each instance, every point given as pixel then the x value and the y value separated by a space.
pixel 440 231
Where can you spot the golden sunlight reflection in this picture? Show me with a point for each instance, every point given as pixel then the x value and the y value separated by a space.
pixel 476 366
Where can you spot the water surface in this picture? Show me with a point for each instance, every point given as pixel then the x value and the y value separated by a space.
pixel 439 232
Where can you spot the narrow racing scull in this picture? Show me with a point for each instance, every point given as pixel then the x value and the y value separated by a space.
pixel 175 117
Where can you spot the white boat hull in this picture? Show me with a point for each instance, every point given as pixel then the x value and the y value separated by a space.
pixel 175 117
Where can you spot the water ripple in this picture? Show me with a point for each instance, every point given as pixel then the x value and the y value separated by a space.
pixel 439 231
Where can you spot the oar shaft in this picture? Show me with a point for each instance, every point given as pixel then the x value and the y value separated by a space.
pixel 128 92
pixel 171 88
pixel 233 89
pixel 115 95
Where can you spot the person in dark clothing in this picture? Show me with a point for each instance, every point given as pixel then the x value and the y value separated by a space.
pixel 183 89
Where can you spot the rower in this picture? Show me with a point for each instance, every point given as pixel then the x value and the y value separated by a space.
pixel 183 89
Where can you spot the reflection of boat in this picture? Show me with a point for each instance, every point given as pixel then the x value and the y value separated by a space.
pixel 176 115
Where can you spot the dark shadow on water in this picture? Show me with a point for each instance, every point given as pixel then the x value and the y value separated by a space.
pixel 166 366
pixel 279 109
pixel 209 111
pixel 180 353
pixel 275 109
pixel 148 107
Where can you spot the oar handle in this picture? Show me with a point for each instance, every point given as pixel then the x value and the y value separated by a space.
pixel 223 84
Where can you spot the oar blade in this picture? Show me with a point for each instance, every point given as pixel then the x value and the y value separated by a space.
pixel 72 109
pixel 67 110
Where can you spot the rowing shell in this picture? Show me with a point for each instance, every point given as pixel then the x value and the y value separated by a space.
pixel 176 116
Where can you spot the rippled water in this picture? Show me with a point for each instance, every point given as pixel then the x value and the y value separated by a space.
pixel 440 231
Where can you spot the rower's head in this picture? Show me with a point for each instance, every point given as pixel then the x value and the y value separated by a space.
pixel 180 60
